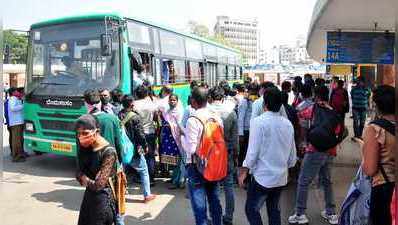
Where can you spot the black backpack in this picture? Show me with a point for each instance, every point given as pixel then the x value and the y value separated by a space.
pixel 385 124
pixel 322 131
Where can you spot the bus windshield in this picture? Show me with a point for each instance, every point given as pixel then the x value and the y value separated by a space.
pixel 66 60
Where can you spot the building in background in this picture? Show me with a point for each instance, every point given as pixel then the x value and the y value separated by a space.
pixel 289 54
pixel 244 34
pixel 273 56
pixel 262 56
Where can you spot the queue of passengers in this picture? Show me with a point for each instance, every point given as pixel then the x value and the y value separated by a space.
pixel 250 126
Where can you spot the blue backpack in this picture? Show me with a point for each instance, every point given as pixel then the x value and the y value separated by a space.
pixel 356 206
pixel 128 149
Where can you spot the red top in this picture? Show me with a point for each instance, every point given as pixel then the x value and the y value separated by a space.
pixel 332 151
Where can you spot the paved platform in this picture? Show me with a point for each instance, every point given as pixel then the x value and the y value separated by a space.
pixel 43 191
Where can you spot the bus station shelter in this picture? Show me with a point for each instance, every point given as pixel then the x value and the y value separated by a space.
pixel 358 26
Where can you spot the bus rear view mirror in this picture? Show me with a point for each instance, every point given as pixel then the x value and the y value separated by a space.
pixel 106 45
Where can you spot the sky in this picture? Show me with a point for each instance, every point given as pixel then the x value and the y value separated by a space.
pixel 280 21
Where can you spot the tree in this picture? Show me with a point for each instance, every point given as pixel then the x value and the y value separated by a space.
pixel 203 31
pixel 198 29
pixel 18 44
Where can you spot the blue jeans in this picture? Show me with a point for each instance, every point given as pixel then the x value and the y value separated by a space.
pixel 139 164
pixel 257 195
pixel 359 117
pixel 201 190
pixel 150 155
pixel 315 163
pixel 228 183
pixel 119 219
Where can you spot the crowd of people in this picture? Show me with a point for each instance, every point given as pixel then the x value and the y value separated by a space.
pixel 265 135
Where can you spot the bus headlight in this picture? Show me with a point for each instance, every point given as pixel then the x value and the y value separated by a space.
pixel 29 126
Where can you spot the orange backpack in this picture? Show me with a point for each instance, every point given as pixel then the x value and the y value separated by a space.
pixel 211 156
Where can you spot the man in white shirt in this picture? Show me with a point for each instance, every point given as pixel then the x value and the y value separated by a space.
pixel 270 154
pixel 147 109
pixel 16 125
pixel 257 107
pixel 200 190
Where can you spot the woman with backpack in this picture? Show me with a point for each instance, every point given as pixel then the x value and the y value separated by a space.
pixel 96 164
pixel 320 149
pixel 379 154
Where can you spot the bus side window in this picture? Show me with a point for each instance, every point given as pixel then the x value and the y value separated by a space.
pixel 194 71
pixel 147 73
pixel 173 71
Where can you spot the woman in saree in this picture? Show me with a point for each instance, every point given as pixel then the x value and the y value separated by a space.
pixel 170 141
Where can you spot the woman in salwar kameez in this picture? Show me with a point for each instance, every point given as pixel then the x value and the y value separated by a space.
pixel 96 164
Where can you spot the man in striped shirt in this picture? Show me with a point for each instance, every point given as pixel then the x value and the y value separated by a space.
pixel 360 103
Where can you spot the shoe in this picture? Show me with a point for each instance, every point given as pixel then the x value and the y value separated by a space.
pixel 149 198
pixel 332 219
pixel 19 159
pixel 295 219
pixel 226 222
pixel 25 154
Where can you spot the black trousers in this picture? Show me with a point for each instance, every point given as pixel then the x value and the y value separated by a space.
pixel 380 204
pixel 243 147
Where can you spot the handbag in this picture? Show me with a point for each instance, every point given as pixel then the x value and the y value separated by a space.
pixel 118 185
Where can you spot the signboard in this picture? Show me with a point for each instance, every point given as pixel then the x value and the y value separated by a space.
pixel 340 70
pixel 360 47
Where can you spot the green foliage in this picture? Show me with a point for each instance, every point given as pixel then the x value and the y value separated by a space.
pixel 203 31
pixel 18 46
pixel 198 29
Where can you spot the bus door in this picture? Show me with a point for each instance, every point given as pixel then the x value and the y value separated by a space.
pixel 211 73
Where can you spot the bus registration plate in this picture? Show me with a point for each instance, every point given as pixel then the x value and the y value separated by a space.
pixel 62 147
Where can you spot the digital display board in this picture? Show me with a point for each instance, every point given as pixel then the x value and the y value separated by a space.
pixel 360 47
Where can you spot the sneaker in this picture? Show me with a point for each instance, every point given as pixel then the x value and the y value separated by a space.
pixel 332 219
pixel 149 198
pixel 295 219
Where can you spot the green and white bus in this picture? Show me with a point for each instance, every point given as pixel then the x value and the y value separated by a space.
pixel 67 56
